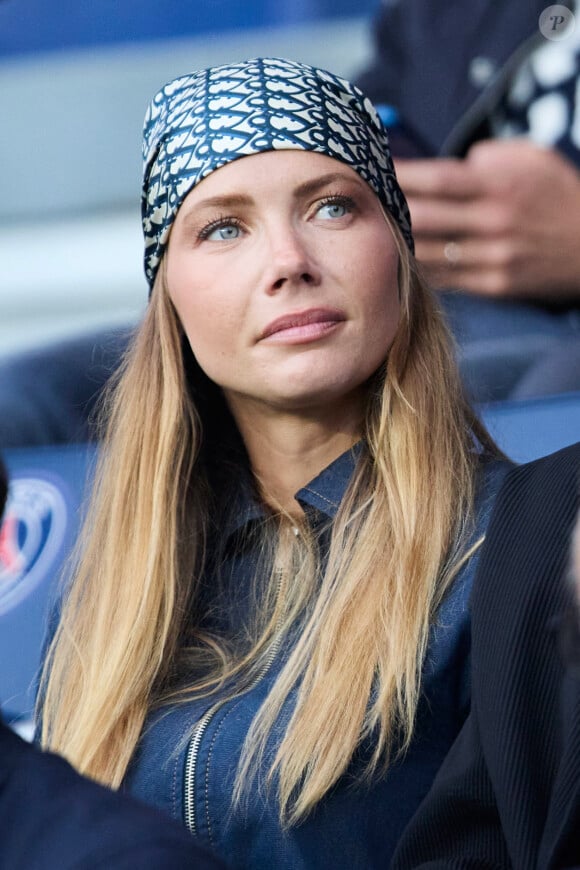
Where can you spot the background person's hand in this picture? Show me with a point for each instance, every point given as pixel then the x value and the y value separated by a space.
pixel 504 221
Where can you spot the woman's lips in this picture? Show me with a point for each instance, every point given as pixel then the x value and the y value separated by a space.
pixel 303 325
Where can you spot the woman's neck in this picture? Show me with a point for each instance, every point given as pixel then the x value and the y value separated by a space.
pixel 288 450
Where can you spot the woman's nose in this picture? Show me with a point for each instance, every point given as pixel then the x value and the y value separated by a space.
pixel 292 261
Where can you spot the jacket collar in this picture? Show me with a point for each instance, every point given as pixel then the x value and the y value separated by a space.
pixel 321 495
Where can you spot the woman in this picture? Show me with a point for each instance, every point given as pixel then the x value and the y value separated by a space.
pixel 266 631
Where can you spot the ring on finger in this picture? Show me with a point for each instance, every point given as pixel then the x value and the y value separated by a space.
pixel 452 253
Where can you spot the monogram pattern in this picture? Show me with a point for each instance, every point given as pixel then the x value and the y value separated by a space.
pixel 201 121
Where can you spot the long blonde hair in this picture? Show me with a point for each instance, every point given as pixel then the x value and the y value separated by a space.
pixel 401 533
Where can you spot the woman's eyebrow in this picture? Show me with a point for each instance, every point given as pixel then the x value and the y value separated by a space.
pixel 239 200
pixel 313 186
pixel 227 201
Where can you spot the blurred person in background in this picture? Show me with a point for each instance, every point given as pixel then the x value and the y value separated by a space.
pixel 48 394
pixel 508 794
pixel 266 632
pixel 485 104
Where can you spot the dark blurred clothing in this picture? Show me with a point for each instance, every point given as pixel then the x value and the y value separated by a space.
pixel 48 394
pixel 508 794
pixel 513 349
pixel 54 819
pixel 447 66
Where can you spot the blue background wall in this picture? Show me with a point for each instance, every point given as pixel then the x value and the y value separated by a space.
pixel 76 77
pixel 28 26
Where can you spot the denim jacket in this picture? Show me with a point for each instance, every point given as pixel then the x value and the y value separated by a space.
pixel 187 757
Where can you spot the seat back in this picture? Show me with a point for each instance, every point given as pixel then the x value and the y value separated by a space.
pixel 46 490
pixel 531 428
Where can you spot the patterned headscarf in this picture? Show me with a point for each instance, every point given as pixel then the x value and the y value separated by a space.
pixel 201 121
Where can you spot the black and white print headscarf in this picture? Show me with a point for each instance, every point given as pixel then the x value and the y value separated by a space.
pixel 206 119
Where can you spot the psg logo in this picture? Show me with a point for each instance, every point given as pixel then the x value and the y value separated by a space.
pixel 31 537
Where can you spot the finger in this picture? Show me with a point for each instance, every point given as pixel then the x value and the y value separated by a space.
pixel 445 252
pixel 450 178
pixel 448 218
pixel 469 253
pixel 473 266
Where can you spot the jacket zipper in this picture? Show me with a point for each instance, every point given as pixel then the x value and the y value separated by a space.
pixel 193 748
pixel 191 766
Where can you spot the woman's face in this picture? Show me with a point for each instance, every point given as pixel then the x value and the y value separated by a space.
pixel 283 271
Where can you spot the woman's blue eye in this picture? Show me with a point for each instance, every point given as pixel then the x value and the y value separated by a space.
pixel 333 210
pixel 222 233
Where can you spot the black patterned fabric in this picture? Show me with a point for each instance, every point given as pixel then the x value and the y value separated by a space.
pixel 543 100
